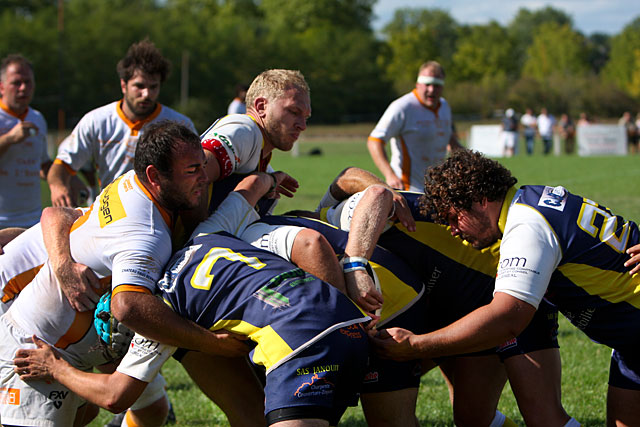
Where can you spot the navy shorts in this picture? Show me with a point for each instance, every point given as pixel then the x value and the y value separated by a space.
pixel 624 371
pixel 321 381
pixel 540 334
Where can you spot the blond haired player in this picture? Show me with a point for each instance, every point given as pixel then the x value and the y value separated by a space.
pixel 107 136
pixel 419 127
pixel 23 145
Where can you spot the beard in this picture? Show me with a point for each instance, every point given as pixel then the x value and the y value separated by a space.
pixel 173 198
pixel 140 111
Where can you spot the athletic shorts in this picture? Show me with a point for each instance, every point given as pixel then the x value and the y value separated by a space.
pixel 624 371
pixel 277 239
pixel 33 403
pixel 341 215
pixel 540 334
pixel 386 375
pixel 321 381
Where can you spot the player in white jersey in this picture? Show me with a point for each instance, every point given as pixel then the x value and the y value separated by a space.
pixel 107 136
pixel 420 128
pixel 23 145
pixel 125 237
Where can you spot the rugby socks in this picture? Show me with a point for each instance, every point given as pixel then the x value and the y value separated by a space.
pixel 128 421
pixel 501 420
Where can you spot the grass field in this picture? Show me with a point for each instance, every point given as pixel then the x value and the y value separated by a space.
pixel 612 181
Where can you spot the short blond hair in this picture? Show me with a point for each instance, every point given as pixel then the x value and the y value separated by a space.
pixel 272 84
pixel 433 65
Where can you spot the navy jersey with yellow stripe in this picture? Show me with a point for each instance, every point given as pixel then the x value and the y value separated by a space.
pixel 401 287
pixel 221 282
pixel 590 286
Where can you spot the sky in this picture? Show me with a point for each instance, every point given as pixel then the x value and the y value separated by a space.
pixel 589 16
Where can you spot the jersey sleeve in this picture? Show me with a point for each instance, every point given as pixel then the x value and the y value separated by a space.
pixel 144 358
pixel 233 215
pixel 77 149
pixel 390 124
pixel 529 253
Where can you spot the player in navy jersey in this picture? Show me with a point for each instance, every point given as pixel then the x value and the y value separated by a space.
pixel 565 248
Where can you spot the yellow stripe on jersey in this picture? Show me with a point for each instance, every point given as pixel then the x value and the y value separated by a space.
pixel 110 208
pixel 440 239
pixel 397 294
pixel 609 285
pixel 271 347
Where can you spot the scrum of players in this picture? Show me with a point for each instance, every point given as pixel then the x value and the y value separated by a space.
pixel 304 313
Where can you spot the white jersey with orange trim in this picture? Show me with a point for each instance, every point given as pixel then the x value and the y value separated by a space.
pixel 236 141
pixel 124 237
pixel 20 166
pixel 419 137
pixel 108 138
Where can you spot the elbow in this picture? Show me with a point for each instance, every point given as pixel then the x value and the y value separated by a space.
pixel 122 308
pixel 117 404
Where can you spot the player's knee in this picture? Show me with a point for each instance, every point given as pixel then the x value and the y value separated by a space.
pixel 379 193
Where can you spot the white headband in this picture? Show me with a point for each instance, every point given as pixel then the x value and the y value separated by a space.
pixel 430 80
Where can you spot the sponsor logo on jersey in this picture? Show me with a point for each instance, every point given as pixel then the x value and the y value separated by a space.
pixel 433 280
pixel 582 318
pixel 317 386
pixel 110 208
pixel 371 377
pixel 508 344
pixel 9 396
pixel 143 347
pixel 554 198
pixel 317 369
pixel 514 267
pixel 57 397
pixel 352 331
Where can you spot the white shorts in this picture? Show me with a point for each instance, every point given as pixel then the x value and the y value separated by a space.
pixel 33 403
pixel 510 139
pixel 152 392
pixel 277 239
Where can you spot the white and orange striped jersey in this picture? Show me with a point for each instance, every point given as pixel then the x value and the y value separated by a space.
pixel 20 165
pixel 419 137
pixel 108 138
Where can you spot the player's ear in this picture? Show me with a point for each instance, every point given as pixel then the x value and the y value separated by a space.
pixel 260 105
pixel 153 176
pixel 123 86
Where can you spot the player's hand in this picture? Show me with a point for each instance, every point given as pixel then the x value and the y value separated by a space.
pixel 79 284
pixel 21 131
pixel 394 343
pixel 229 344
pixel 61 196
pixel 634 253
pixel 402 212
pixel 362 291
pixel 394 182
pixel 38 363
pixel 286 185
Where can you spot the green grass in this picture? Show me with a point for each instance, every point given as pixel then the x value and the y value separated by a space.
pixel 612 181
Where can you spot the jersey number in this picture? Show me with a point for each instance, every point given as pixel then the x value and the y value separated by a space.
pixel 606 232
pixel 203 278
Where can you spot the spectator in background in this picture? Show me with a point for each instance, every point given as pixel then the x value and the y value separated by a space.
pixel 142 71
pixel 546 122
pixel 528 121
pixel 584 119
pixel 238 106
pixel 631 130
pixel 420 128
pixel 567 132
pixel 509 132
pixel 23 145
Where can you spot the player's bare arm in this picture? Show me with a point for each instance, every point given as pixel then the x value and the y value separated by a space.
pixel 488 326
pixel 115 392
pixel 16 135
pixel 634 253
pixel 376 149
pixel 78 282
pixel 150 317
pixel 59 180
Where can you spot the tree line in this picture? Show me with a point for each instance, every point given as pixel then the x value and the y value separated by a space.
pixel 538 59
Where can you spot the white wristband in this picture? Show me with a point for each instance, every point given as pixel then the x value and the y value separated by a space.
pixel 354 263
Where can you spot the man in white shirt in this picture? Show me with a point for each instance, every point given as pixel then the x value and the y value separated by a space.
pixel 23 145
pixel 546 122
pixel 107 136
pixel 419 126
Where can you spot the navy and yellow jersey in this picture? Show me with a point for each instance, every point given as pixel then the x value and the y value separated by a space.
pixel 401 287
pixel 221 282
pixel 590 285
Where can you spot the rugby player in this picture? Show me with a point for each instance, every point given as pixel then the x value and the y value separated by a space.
pixel 553 244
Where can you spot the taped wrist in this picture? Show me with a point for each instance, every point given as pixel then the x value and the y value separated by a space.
pixel 354 263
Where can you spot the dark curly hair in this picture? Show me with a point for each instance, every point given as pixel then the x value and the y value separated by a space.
pixel 462 179
pixel 146 57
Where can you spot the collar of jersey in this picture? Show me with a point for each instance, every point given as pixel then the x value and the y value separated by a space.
pixel 166 215
pixel 137 125
pixel 434 110
pixel 13 113
pixel 264 162
pixel 508 199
